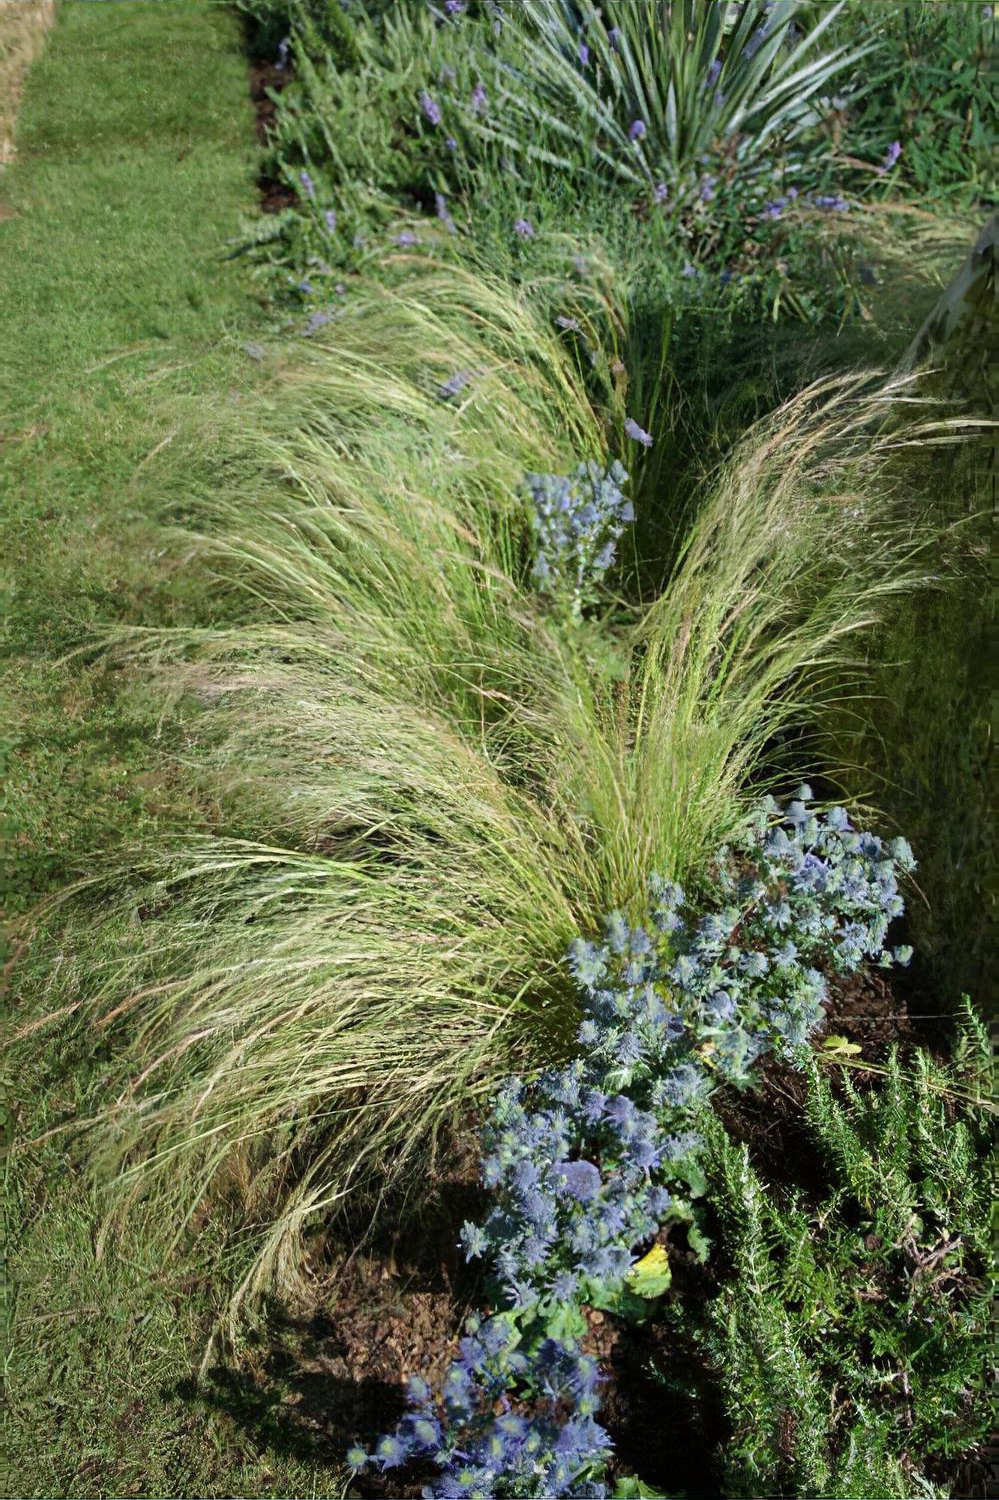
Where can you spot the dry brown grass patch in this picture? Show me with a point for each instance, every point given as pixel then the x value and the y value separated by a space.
pixel 23 24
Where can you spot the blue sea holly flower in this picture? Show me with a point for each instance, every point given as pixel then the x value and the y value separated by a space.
pixel 473 1241
pixel 454 385
pixel 581 1179
pixel 390 1452
pixel 636 130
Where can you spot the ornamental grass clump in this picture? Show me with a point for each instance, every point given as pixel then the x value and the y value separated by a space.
pixel 428 779
pixel 591 1160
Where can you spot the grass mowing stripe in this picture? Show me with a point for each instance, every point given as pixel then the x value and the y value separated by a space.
pixel 120 351
pixel 120 326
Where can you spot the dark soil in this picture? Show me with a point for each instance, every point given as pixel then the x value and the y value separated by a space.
pixel 265 77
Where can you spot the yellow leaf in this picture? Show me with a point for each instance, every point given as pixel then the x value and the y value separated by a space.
pixel 839 1044
pixel 650 1276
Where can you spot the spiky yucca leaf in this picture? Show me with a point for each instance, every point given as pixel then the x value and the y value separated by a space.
pixel 694 74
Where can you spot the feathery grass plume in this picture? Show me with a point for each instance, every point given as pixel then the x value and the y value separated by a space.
pixel 443 783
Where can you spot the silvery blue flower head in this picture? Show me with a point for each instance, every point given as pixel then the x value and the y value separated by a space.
pixel 329 218
pixel 661 192
pixel 308 185
pixel 480 99
pixel 636 130
pixel 390 1452
pixel 524 228
pixel 581 1179
pixel 584 54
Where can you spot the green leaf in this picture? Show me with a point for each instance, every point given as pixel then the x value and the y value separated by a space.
pixel 698 1242
pixel 690 1173
pixel 840 1046
pixel 567 1323
pixel 629 1487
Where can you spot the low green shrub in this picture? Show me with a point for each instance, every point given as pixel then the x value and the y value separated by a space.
pixel 851 1336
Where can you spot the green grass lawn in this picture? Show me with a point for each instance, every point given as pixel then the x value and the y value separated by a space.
pixel 122 328
pixel 122 332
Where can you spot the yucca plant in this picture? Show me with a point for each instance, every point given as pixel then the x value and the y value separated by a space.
pixel 643 89
pixel 437 781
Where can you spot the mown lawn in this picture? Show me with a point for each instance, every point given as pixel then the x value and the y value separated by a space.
pixel 122 329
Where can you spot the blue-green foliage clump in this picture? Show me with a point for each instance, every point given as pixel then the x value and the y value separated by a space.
pixel 577 522
pixel 592 1159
